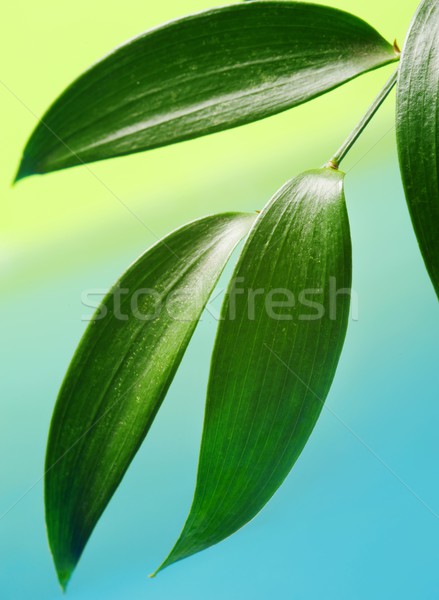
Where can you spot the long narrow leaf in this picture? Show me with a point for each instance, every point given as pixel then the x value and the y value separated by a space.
pixel 204 73
pixel 417 129
pixel 278 345
pixel 121 372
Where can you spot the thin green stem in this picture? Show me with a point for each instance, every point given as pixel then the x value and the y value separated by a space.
pixel 335 161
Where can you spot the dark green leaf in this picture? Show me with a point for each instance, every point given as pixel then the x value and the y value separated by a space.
pixel 417 129
pixel 210 71
pixel 121 372
pixel 272 365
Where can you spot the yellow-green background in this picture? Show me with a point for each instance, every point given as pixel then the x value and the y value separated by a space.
pixel 343 526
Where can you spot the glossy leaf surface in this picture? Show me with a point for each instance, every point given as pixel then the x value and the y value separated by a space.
pixel 283 326
pixel 201 74
pixel 418 131
pixel 121 372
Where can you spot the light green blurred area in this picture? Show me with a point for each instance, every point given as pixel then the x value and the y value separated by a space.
pixel 50 224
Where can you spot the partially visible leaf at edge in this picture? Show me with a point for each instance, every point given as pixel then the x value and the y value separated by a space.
pixel 279 340
pixel 201 74
pixel 121 372
pixel 417 128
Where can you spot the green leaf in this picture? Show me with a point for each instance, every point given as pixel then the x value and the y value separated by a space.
pixel 204 73
pixel 121 372
pixel 417 128
pixel 272 365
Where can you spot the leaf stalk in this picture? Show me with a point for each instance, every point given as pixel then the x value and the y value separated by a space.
pixel 336 159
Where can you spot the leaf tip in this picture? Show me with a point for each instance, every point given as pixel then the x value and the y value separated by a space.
pixel 63 566
pixel 172 558
pixel 163 565
pixel 25 169
pixel 64 578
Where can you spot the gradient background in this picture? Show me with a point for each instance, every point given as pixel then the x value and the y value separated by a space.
pixel 356 518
